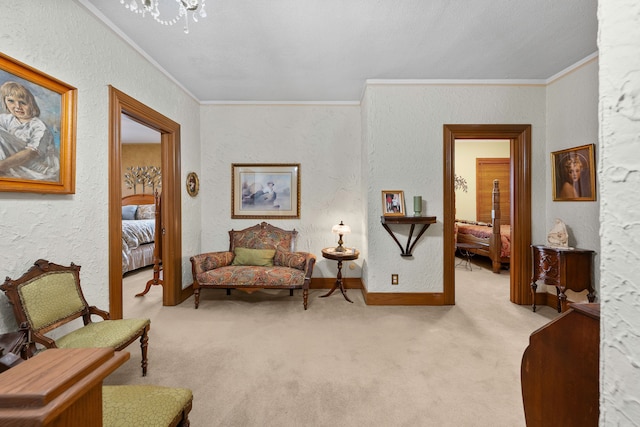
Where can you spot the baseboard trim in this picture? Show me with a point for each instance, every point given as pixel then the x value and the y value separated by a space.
pixel 327 283
pixel 381 298
pixel 185 293
pixel 402 298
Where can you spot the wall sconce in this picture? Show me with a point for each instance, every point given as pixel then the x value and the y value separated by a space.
pixel 340 230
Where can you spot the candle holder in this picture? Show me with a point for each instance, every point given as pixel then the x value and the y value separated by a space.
pixel 417 205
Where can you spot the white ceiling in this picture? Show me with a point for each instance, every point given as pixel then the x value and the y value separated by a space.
pixel 132 132
pixel 325 50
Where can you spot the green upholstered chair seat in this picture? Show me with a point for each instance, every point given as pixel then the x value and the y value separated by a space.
pixel 108 333
pixel 143 405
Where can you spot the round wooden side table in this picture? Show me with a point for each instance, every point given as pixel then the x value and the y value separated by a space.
pixel 348 255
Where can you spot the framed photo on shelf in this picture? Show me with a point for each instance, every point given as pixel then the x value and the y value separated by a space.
pixel 574 174
pixel 37 131
pixel 393 203
pixel 262 190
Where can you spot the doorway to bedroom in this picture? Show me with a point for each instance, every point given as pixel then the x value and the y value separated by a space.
pixel 482 171
pixel 121 104
pixel 141 225
pixel 519 137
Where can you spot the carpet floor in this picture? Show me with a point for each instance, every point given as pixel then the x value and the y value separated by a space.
pixel 261 360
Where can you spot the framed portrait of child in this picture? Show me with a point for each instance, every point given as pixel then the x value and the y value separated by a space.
pixel 37 130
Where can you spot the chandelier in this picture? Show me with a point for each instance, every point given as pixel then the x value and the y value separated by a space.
pixel 185 7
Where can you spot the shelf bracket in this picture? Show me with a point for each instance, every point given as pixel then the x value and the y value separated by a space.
pixel 425 221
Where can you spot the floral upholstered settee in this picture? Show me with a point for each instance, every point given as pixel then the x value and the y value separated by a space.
pixel 259 257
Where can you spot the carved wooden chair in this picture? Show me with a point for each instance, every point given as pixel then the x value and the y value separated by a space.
pixel 49 296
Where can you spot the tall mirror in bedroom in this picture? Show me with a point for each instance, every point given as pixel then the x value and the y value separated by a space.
pixel 482 205
pixel 141 181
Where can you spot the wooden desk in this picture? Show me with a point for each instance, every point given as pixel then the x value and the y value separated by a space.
pixel 349 255
pixel 564 269
pixel 58 387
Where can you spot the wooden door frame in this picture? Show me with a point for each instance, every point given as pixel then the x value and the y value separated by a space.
pixel 121 103
pixel 520 147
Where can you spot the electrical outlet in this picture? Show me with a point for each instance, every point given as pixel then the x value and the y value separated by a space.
pixel 394 279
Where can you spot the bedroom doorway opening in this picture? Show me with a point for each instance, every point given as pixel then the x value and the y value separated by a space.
pixel 477 164
pixel 120 105
pixel 519 137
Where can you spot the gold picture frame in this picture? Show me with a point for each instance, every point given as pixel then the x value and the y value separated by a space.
pixel 393 203
pixel 193 184
pixel 41 160
pixel 574 174
pixel 263 190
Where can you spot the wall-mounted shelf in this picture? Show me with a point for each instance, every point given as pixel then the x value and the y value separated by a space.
pixel 426 221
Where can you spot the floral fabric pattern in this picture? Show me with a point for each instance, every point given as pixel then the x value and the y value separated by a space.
pixel 251 276
pixel 211 260
pixel 146 212
pixel 262 236
pixel 290 259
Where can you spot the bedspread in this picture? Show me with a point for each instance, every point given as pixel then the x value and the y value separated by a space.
pixel 137 232
pixel 137 243
pixel 485 232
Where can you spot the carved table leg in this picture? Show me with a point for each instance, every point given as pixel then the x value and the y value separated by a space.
pixel 561 298
pixel 338 284
pixel 534 286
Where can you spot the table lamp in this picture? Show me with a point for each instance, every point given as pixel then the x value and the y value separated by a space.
pixel 340 230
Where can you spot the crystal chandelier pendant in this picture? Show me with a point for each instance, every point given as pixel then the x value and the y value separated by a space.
pixel 195 7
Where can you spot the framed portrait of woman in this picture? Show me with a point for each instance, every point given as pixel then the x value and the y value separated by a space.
pixel 37 130
pixel 574 174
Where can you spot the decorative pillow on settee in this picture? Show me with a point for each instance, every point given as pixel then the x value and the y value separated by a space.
pixel 215 260
pixel 289 259
pixel 255 257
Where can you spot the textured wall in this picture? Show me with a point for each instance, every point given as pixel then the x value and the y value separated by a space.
pixel 572 120
pixel 405 152
pixel 619 175
pixel 325 140
pixel 62 39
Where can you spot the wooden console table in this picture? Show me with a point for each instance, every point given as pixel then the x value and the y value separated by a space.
pixel 58 387
pixel 564 269
pixel 426 221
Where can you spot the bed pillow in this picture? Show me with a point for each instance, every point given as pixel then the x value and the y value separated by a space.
pixel 129 212
pixel 146 212
pixel 256 257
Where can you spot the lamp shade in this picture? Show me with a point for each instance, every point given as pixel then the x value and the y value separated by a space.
pixel 341 229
